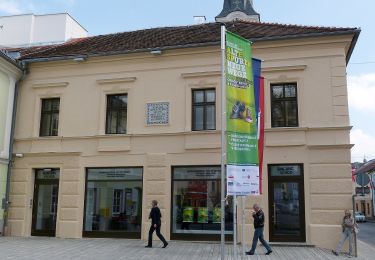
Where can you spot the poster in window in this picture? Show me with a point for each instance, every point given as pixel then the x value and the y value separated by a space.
pixel 188 214
pixel 216 215
pixel 202 215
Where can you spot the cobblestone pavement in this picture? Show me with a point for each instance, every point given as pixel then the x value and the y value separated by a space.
pixel 64 249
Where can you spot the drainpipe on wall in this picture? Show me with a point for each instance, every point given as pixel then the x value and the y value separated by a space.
pixel 10 163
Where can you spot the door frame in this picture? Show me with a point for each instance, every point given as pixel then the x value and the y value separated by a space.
pixel 37 183
pixel 302 219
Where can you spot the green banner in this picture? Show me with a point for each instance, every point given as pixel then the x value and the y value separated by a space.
pixel 242 140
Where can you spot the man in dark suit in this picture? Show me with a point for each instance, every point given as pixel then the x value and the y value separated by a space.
pixel 155 217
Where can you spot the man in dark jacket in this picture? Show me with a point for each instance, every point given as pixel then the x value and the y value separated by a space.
pixel 258 216
pixel 155 217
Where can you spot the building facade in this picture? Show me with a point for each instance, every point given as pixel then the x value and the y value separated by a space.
pixel 10 72
pixel 103 136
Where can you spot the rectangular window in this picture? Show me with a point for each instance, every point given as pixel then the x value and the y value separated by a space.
pixel 284 106
pixel 113 202
pixel 49 121
pixel 117 109
pixel 204 110
pixel 196 202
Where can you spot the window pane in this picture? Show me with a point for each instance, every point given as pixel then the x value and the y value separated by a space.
pixel 277 92
pixel 45 125
pixel 122 122
pixel 278 115
pixel 210 118
pixel 210 95
pixel 46 105
pixel 198 118
pixel 111 122
pixel 55 124
pixel 290 91
pixel 55 104
pixel 291 113
pixel 198 96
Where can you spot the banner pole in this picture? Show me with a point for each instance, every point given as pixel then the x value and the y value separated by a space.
pixel 243 225
pixel 223 144
pixel 235 226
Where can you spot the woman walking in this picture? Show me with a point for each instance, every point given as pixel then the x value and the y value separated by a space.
pixel 155 217
pixel 348 227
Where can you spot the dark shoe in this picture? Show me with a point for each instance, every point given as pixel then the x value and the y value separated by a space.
pixel 148 246
pixel 249 253
pixel 165 245
pixel 334 252
pixel 269 252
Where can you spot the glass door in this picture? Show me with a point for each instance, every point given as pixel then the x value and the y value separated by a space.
pixel 286 203
pixel 45 203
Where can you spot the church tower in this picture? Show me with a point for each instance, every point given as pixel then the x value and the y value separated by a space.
pixel 238 10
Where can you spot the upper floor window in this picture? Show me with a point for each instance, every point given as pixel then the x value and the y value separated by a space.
pixel 284 106
pixel 204 111
pixel 117 109
pixel 49 121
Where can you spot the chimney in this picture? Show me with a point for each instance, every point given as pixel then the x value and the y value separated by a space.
pixel 199 19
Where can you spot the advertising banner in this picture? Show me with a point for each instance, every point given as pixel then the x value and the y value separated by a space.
pixel 242 127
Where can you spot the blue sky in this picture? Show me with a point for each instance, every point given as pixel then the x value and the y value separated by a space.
pixel 101 17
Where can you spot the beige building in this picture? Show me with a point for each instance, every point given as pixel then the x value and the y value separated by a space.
pixel 108 123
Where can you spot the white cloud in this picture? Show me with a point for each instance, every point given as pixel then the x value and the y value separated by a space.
pixel 10 7
pixel 362 92
pixel 364 145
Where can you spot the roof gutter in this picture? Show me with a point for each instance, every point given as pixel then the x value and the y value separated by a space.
pixel 10 60
pixel 195 45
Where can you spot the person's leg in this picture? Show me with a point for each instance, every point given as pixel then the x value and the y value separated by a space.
pixel 351 243
pixel 341 243
pixel 150 232
pixel 264 243
pixel 255 241
pixel 160 236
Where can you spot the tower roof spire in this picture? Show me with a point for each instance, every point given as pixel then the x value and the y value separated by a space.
pixel 238 10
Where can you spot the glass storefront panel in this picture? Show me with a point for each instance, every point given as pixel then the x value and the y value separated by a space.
pixel 113 200
pixel 196 201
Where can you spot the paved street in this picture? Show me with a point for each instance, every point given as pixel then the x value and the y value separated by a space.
pixel 53 248
pixel 367 233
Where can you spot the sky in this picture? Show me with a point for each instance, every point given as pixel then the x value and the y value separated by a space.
pixel 109 16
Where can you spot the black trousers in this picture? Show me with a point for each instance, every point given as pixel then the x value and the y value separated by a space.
pixel 160 236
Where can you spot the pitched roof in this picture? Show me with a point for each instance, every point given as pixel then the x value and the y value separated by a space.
pixel 176 37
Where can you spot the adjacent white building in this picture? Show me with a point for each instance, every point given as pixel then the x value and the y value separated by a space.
pixel 29 29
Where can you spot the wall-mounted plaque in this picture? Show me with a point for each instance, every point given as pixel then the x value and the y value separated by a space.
pixel 158 113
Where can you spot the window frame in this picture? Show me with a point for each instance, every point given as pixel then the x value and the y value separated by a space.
pixel 109 109
pixel 283 100
pixel 203 104
pixel 51 113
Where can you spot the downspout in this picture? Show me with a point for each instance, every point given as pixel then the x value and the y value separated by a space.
pixel 10 162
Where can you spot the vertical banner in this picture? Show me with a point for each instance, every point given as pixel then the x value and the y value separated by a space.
pixel 242 127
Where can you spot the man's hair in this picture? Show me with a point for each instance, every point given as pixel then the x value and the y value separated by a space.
pixel 155 202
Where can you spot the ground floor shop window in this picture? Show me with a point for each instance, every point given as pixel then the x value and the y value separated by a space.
pixel 113 202
pixel 196 201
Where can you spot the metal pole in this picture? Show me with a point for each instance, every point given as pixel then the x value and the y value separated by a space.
pixel 235 227
pixel 243 225
pixel 355 235
pixel 223 143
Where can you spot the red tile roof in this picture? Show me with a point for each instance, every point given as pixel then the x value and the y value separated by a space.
pixel 174 37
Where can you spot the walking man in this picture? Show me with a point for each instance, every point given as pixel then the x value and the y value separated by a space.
pixel 258 216
pixel 348 227
pixel 155 217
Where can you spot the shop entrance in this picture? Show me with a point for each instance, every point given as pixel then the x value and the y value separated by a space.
pixel 286 203
pixel 46 191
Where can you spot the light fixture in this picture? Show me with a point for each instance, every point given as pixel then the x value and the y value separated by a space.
pixel 156 52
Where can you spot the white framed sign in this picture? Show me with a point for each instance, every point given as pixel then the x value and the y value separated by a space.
pixel 157 113
pixel 243 180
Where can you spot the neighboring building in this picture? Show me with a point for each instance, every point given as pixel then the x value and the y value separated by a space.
pixel 138 118
pixel 363 203
pixel 30 30
pixel 10 72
